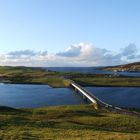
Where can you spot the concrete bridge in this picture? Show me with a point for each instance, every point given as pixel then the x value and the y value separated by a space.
pixel 96 101
pixel 99 103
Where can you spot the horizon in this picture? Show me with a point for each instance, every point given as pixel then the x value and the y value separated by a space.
pixel 68 66
pixel 59 33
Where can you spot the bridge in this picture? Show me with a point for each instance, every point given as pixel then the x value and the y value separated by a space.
pixel 99 103
pixel 93 99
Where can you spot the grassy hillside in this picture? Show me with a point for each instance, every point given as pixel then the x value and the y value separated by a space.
pixel 67 122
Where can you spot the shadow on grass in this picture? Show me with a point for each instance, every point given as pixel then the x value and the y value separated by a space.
pixel 58 124
pixel 62 119
pixel 4 110
pixel 7 109
pixel 69 114
pixel 79 126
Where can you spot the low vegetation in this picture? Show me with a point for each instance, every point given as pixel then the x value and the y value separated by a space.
pixel 27 75
pixel 127 67
pixel 108 81
pixel 67 122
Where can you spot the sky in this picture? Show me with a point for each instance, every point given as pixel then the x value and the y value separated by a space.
pixel 69 32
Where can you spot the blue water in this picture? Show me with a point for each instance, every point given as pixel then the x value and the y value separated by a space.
pixel 118 96
pixel 78 69
pixel 31 96
pixel 92 70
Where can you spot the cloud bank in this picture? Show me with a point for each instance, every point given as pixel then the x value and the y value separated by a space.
pixel 82 54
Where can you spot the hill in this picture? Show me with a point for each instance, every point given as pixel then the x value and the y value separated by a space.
pixel 127 67
pixel 67 122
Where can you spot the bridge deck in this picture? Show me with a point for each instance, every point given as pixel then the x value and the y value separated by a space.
pixel 89 95
pixel 97 101
pixel 84 93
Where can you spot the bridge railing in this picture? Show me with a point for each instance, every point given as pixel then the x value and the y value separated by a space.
pixel 103 104
pixel 92 96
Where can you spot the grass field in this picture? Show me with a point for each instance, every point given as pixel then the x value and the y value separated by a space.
pixel 108 81
pixel 26 75
pixel 67 122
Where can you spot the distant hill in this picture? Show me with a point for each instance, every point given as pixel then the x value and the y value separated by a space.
pixel 127 67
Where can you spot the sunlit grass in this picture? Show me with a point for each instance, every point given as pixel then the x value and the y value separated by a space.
pixel 107 81
pixel 26 75
pixel 66 122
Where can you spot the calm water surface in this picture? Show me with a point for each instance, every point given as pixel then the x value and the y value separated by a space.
pixel 118 96
pixel 31 96
pixel 92 70
pixel 26 96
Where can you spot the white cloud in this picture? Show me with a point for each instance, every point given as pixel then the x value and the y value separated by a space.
pixel 129 50
pixel 82 54
pixel 72 51
pixel 25 54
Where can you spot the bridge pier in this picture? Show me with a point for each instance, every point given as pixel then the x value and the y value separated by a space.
pixel 84 98
pixel 85 94
pixel 76 90
pixel 95 106
pixel 97 103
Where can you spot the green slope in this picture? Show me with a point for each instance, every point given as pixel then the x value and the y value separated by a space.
pixel 67 122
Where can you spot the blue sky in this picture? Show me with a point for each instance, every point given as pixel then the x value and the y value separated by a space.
pixel 52 26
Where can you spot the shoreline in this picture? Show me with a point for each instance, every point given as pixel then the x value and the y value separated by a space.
pixel 134 111
pixel 84 85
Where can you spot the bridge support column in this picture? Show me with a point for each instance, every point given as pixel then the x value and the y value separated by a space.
pixel 95 106
pixel 84 98
pixel 76 90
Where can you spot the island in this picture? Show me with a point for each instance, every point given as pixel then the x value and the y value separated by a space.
pixel 131 67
